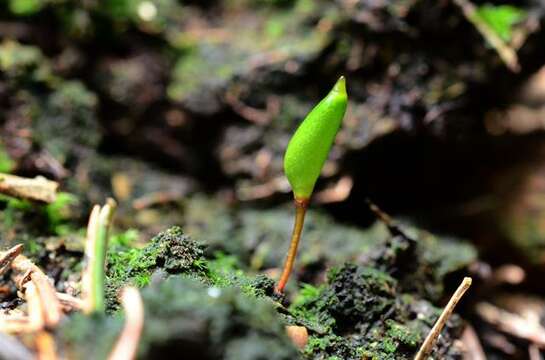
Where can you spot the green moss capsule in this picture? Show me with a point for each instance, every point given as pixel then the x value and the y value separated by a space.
pixel 305 157
pixel 308 148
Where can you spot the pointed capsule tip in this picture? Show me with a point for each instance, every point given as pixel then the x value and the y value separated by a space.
pixel 340 85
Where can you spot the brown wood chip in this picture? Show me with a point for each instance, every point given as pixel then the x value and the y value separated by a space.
pixel 36 189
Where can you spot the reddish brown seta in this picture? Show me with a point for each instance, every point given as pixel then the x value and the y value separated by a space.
pixel 300 211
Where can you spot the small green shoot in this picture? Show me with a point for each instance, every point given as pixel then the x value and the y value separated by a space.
pixel 95 251
pixel 305 156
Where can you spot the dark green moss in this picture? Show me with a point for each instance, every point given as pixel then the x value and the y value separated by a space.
pixel 362 313
pixel 171 251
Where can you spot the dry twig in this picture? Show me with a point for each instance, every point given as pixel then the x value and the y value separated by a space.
pixel 26 275
pixel 37 313
pixel 430 340
pixel 7 257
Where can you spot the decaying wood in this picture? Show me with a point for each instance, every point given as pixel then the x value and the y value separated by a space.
pixel 7 257
pixel 127 343
pixel 36 189
pixel 430 340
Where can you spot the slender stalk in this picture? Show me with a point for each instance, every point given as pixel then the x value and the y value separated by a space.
pixel 97 243
pixel 300 211
pixel 126 346
pixel 430 340
pixel 101 244
pixel 87 278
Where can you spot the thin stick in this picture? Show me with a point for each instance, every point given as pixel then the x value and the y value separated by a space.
pixel 300 211
pixel 127 343
pixel 428 344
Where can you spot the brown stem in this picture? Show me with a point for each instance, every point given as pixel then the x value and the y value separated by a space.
pixel 300 211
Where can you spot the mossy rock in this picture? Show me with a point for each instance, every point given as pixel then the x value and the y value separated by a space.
pixel 170 252
pixel 185 316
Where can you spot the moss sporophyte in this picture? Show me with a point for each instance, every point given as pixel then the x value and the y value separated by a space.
pixel 305 156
